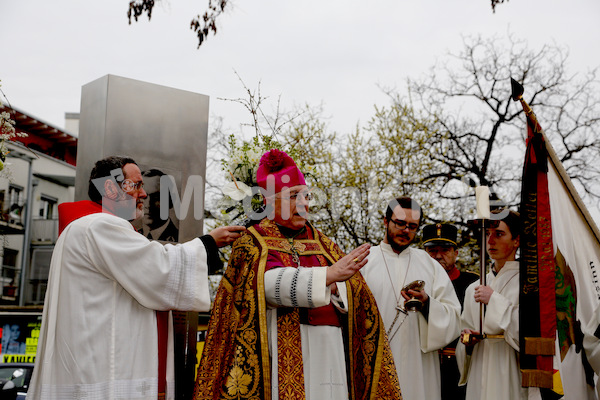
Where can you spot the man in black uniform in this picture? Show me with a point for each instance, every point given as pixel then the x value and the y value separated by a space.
pixel 440 242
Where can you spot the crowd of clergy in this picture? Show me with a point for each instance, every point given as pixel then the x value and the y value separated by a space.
pixel 294 317
pixel 419 296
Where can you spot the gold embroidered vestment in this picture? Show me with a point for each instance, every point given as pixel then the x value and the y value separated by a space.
pixel 235 361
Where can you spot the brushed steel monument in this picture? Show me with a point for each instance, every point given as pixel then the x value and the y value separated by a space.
pixel 165 130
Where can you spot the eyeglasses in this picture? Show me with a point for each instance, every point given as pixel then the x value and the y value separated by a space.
pixel 129 186
pixel 400 224
pixel 308 196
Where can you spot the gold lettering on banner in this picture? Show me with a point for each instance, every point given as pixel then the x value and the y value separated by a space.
pixel 530 246
pixel 547 253
pixel 528 288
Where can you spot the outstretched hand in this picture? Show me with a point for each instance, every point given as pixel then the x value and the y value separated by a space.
pixel 348 265
pixel 225 235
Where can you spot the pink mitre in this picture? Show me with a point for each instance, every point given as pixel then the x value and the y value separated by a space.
pixel 277 171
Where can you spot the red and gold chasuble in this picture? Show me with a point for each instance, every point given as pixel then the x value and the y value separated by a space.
pixel 235 362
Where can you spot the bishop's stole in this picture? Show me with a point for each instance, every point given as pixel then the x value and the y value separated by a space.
pixel 235 361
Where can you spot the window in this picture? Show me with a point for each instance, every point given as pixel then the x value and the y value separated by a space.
pixel 9 275
pixel 47 207
pixel 38 278
pixel 15 203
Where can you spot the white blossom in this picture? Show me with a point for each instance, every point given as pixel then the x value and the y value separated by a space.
pixel 238 191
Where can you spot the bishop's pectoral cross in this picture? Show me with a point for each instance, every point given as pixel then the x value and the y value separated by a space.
pixel 294 248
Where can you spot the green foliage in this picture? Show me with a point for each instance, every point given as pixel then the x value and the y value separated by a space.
pixel 355 176
pixel 454 129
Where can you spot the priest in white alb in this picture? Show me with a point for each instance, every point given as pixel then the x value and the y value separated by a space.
pixel 490 366
pixel 421 320
pixel 105 331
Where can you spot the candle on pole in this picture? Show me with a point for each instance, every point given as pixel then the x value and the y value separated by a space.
pixel 482 196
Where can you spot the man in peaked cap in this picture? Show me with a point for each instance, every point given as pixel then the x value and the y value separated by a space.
pixel 440 242
pixel 292 319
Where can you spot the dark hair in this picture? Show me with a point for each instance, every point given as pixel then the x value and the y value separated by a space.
pixel 512 220
pixel 102 169
pixel 403 202
pixel 155 172
pixel 149 173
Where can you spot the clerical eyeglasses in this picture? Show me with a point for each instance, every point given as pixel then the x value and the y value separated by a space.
pixel 401 224
pixel 129 186
pixel 308 196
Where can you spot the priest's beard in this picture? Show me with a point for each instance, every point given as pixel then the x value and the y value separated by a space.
pixel 139 210
pixel 138 220
pixel 395 246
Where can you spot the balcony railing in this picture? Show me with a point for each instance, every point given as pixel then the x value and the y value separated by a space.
pixel 44 231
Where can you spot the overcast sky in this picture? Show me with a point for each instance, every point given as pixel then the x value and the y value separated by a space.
pixel 334 52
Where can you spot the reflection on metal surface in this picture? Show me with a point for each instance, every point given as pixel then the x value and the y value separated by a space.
pixel 163 129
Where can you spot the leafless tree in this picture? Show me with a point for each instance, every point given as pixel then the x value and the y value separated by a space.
pixel 479 132
pixel 454 128
pixel 205 24
pixel 202 25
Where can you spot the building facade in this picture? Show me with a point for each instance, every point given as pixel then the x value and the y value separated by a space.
pixel 39 174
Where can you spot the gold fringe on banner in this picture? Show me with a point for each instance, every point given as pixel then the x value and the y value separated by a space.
pixel 537 378
pixel 539 346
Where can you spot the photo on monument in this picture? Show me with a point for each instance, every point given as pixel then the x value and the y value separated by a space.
pixel 152 225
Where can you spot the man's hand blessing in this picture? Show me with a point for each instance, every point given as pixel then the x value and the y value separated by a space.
pixel 348 265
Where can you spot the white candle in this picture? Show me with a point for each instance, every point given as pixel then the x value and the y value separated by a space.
pixel 482 196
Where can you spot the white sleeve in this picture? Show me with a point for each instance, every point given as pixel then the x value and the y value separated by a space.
pixel 469 318
pixel 297 287
pixel 340 300
pixel 443 324
pixel 159 277
pixel 502 315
